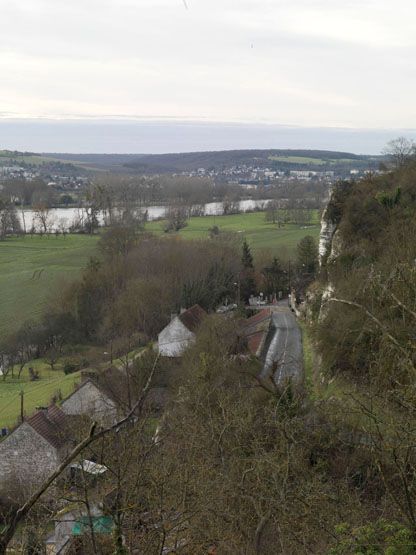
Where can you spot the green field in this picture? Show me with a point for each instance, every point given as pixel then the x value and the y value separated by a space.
pixel 37 393
pixel 312 161
pixel 32 269
pixel 298 160
pixel 259 233
pixel 9 158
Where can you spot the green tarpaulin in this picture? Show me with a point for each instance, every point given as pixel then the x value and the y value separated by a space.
pixel 101 525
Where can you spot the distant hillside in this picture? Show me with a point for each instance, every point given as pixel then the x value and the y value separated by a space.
pixel 274 159
pixel 14 157
pixel 38 162
pixel 111 162
pixel 221 160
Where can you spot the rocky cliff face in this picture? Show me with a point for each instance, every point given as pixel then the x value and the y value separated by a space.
pixel 329 239
pixel 329 249
pixel 328 229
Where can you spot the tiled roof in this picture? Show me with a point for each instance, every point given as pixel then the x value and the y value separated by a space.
pixel 255 330
pixel 192 317
pixel 258 319
pixel 255 341
pixel 50 424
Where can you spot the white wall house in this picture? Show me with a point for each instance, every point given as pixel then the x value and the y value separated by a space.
pixel 180 333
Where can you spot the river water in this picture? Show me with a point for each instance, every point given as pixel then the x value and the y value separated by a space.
pixel 64 218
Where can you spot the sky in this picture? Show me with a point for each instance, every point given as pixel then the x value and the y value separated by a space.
pixel 346 65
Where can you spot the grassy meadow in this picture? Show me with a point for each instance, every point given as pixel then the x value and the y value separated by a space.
pixel 306 160
pixel 8 157
pixel 253 226
pixel 34 268
pixel 298 160
pixel 37 393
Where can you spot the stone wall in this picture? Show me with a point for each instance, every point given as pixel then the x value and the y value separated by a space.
pixel 90 401
pixel 26 460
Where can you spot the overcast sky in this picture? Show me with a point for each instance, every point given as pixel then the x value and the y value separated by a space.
pixel 325 63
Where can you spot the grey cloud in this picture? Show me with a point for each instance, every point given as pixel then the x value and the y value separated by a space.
pixel 221 59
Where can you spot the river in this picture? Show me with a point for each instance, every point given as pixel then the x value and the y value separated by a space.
pixel 64 218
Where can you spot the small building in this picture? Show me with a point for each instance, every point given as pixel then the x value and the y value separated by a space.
pixel 180 333
pixel 73 527
pixel 93 400
pixel 107 395
pixel 33 451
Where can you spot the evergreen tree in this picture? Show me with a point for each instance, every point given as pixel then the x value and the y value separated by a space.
pixel 247 258
pixel 307 256
pixel 275 277
pixel 248 282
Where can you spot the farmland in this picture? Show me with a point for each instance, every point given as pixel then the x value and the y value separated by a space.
pixel 298 160
pixel 34 268
pixel 9 157
pixel 306 160
pixel 253 226
pixel 36 393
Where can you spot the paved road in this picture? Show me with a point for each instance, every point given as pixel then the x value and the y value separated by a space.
pixel 284 357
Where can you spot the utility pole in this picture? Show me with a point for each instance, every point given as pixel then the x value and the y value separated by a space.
pixel 290 284
pixel 237 284
pixel 22 394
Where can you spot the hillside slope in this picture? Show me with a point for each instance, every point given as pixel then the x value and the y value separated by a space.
pixel 191 161
pixel 367 299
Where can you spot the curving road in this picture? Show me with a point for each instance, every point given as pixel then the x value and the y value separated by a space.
pixel 284 357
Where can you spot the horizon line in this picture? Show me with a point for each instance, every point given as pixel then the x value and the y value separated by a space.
pixel 8 117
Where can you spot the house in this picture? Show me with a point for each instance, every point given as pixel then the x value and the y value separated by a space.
pixel 257 331
pixel 180 333
pixel 34 450
pixel 95 400
pixel 107 395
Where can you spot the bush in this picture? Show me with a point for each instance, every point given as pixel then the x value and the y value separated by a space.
pixel 70 368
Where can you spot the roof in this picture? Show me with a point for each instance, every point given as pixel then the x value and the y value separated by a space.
pixel 255 342
pixel 103 382
pixel 50 424
pixel 192 317
pixel 255 330
pixel 79 386
pixel 90 466
pixel 258 319
pixel 112 385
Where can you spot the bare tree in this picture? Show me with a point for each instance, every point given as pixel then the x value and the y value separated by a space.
pixel 43 217
pixel 399 151
pixel 176 218
pixel 9 222
pixel 8 530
